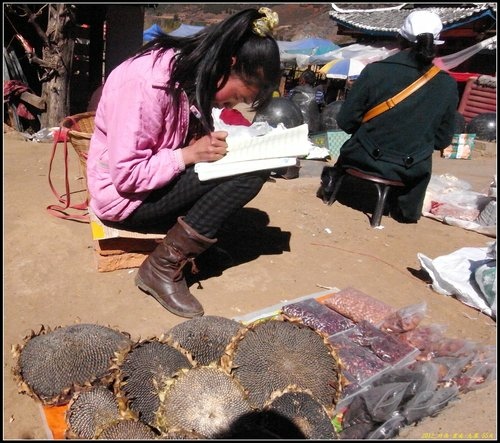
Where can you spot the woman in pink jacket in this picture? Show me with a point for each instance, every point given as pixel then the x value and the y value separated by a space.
pixel 154 123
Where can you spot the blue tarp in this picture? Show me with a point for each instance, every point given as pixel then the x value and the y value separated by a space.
pixel 182 31
pixel 186 30
pixel 152 32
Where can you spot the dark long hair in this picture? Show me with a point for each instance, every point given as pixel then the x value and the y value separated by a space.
pixel 424 50
pixel 205 58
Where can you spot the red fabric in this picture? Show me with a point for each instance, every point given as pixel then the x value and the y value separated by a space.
pixel 233 117
pixel 12 90
pixel 463 76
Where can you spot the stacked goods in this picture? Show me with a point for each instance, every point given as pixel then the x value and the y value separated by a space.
pixel 394 371
pixel 344 365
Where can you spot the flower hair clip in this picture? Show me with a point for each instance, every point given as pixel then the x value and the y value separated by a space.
pixel 264 26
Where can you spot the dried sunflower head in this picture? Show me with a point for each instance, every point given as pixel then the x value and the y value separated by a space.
pixel 204 399
pixel 205 337
pixel 127 430
pixel 143 371
pixel 271 355
pixel 90 411
pixel 51 364
pixel 299 415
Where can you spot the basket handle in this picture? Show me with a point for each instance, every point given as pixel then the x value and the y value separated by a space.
pixel 65 199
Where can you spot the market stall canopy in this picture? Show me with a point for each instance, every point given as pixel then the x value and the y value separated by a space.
pixel 364 53
pixel 299 50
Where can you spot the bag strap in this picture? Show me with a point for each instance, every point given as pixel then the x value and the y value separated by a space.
pixel 65 199
pixel 400 96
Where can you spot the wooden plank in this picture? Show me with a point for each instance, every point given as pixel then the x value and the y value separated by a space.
pixel 33 100
pixel 17 67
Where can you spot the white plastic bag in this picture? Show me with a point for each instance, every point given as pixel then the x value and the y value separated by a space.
pixel 454 274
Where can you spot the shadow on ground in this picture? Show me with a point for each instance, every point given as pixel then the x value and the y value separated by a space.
pixel 360 195
pixel 243 238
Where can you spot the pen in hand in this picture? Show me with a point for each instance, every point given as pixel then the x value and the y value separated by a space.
pixel 218 146
pixel 195 111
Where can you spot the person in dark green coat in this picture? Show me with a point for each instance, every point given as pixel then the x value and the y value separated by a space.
pixel 398 144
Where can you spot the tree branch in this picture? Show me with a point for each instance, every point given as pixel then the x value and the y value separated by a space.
pixel 32 20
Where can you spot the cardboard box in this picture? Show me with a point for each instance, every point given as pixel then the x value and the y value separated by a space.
pixel 461 147
pixel 118 248
pixel 331 140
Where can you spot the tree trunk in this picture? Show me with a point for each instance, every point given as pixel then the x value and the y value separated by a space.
pixel 59 55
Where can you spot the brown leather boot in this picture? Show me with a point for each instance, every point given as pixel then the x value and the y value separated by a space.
pixel 161 274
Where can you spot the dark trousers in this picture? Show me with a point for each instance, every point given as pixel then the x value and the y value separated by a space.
pixel 206 205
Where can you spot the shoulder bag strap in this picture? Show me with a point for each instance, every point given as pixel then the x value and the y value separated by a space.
pixel 400 96
pixel 64 199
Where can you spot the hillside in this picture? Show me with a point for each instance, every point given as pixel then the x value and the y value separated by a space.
pixel 297 21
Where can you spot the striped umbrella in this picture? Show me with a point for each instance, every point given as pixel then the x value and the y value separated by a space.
pixel 342 68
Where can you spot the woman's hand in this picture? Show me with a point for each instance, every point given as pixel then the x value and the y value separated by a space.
pixel 208 148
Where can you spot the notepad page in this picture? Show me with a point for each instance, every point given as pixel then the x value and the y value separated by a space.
pixel 291 142
pixel 208 171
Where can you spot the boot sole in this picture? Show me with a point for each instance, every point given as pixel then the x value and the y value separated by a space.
pixel 143 287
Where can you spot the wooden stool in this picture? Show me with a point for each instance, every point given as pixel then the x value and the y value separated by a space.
pixel 383 186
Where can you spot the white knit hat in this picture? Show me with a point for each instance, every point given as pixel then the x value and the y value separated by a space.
pixel 422 22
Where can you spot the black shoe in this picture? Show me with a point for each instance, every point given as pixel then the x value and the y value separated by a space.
pixel 396 214
pixel 329 176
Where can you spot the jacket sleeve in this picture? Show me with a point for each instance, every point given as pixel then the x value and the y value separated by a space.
pixel 355 105
pixel 141 136
pixel 446 129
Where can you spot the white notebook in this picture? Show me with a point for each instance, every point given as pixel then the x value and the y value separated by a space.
pixel 279 148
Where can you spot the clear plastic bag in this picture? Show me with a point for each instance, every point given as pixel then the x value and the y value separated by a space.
pixel 404 319
pixel 318 316
pixel 382 401
pixel 356 305
pixel 361 364
pixel 389 429
pixel 384 345
pixel 454 347
pixel 450 367
pixel 430 375
pixel 478 375
pixel 424 339
pixel 428 403
pixel 356 422
pixel 419 378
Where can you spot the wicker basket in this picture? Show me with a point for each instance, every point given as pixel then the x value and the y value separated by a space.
pixel 81 127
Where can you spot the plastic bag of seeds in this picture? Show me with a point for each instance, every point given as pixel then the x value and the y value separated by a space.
pixel 317 316
pixel 356 305
pixel 404 319
pixel 362 364
pixel 384 345
pixel 383 400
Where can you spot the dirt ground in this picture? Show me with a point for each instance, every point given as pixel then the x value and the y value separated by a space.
pixel 285 244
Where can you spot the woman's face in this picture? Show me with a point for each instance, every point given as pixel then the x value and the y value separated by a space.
pixel 234 91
